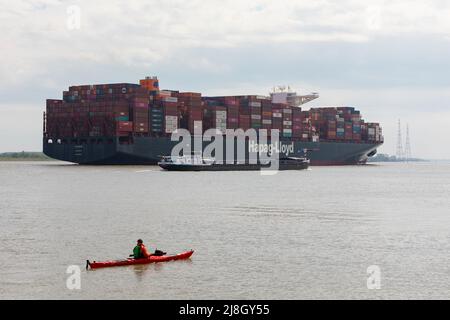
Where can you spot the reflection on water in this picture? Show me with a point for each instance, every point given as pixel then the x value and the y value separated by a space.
pixel 294 235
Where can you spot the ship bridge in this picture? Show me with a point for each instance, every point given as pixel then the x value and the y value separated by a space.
pixel 284 95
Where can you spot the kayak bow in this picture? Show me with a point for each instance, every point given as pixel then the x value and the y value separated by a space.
pixel 131 261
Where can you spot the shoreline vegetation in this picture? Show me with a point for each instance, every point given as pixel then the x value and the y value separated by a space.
pixel 24 156
pixel 387 158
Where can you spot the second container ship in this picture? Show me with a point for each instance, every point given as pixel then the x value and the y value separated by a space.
pixel 127 123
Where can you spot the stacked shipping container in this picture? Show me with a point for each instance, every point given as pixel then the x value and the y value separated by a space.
pixel 287 122
pixel 128 109
pixel 99 110
pixel 266 114
pixel 192 109
pixel 343 124
pixel 232 105
pixel 277 117
pixel 255 106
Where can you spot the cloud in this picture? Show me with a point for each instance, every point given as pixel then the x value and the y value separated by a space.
pixel 144 33
pixel 387 57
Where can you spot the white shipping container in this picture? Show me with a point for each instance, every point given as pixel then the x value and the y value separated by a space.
pixel 256 117
pixel 171 118
pixel 287 111
pixel 171 123
pixel 255 104
pixel 171 128
pixel 222 115
pixel 170 99
pixel 277 115
pixel 198 126
pixel 267 121
pixel 165 93
pixel 287 123
pixel 287 130
pixel 305 136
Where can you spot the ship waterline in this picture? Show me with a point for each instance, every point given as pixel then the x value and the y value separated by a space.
pixel 149 150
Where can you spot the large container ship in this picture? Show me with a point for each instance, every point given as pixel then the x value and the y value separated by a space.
pixel 126 123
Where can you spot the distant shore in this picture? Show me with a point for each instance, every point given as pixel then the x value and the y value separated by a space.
pixel 24 156
pixel 388 158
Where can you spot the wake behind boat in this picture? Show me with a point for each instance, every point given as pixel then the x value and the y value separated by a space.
pixel 198 163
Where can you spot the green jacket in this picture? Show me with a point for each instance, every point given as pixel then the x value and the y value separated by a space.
pixel 137 253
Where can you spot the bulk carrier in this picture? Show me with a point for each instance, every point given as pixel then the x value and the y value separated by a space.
pixel 126 123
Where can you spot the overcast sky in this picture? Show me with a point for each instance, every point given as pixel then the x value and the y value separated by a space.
pixel 390 59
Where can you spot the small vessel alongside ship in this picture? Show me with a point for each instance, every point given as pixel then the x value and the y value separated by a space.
pixel 199 163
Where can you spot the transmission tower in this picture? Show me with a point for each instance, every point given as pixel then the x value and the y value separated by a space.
pixel 399 153
pixel 407 145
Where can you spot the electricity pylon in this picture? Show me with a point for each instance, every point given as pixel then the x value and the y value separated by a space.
pixel 399 153
pixel 408 155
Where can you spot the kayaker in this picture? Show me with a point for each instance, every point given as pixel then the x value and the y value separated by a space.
pixel 140 250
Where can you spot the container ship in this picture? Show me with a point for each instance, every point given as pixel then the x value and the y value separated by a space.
pixel 125 123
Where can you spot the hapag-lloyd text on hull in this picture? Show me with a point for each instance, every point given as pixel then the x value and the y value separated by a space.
pixel 273 147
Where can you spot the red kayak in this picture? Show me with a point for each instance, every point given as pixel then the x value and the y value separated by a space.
pixel 131 261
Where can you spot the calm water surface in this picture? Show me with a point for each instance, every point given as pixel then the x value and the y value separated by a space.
pixel 295 235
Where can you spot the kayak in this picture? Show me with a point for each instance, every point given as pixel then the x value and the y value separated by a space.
pixel 131 261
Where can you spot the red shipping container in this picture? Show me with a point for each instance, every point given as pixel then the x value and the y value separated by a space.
pixel 124 126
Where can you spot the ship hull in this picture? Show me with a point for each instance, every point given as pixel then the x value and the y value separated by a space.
pixel 148 151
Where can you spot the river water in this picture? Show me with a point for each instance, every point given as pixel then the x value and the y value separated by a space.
pixel 309 234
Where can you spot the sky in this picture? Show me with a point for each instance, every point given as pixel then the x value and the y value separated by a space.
pixel 390 59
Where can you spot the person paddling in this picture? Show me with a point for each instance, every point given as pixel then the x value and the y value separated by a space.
pixel 140 250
